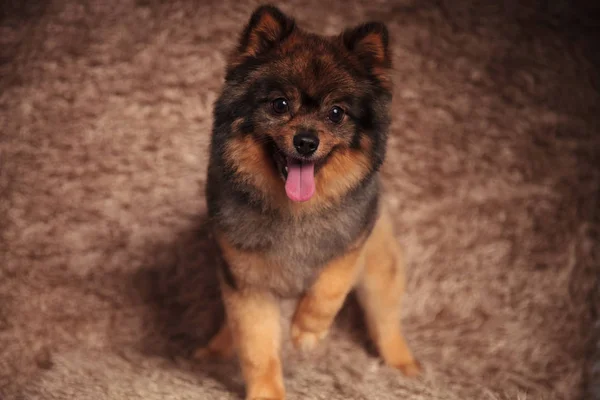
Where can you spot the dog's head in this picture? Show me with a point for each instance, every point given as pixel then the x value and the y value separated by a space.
pixel 306 116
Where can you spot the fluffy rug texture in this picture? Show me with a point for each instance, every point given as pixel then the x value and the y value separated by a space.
pixel 106 282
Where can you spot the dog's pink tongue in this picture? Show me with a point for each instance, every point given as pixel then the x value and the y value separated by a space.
pixel 300 182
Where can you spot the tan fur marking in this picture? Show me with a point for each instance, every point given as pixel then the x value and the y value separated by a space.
pixel 373 44
pixel 258 345
pixel 291 43
pixel 317 309
pixel 253 166
pixel 343 170
pixel 380 293
pixel 379 290
pixel 384 77
pixel 267 26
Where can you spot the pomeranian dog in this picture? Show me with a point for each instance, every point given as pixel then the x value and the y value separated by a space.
pixel 293 193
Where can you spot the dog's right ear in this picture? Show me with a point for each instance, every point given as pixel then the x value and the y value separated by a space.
pixel 268 27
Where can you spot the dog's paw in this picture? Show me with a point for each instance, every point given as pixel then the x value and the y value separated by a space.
pixel 265 398
pixel 305 340
pixel 268 390
pixel 208 353
pixel 411 369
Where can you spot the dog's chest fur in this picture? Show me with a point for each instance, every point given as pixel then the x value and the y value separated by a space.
pixel 293 249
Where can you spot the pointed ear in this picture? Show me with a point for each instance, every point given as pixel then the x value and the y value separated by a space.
pixel 369 42
pixel 268 26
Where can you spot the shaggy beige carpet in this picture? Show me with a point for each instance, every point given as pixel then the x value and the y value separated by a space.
pixel 105 276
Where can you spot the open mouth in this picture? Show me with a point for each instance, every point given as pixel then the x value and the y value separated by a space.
pixel 298 174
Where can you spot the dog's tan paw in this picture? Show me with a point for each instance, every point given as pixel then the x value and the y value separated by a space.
pixel 208 353
pixel 267 390
pixel 265 398
pixel 305 340
pixel 411 369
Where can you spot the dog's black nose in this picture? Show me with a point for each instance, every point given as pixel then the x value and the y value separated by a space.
pixel 306 143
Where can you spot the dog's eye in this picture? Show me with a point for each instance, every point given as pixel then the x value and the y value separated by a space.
pixel 280 105
pixel 336 114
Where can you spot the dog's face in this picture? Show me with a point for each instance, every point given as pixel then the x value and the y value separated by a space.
pixel 305 115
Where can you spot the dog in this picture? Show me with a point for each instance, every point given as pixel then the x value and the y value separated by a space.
pixel 293 194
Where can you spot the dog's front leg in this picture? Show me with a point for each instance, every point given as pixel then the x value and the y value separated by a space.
pixel 319 306
pixel 253 320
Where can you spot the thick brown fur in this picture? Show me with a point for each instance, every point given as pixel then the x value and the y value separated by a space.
pixel 320 249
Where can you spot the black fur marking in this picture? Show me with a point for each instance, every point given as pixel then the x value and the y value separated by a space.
pixel 370 217
pixel 239 73
pixel 247 127
pixel 307 130
pixel 309 102
pixel 228 277
pixel 243 106
pixel 355 143
pixel 317 67
pixel 286 27
pixel 353 37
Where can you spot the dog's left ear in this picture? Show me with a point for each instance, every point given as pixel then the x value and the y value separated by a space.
pixel 268 26
pixel 369 42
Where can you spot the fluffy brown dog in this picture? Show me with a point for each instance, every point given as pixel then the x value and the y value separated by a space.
pixel 300 132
